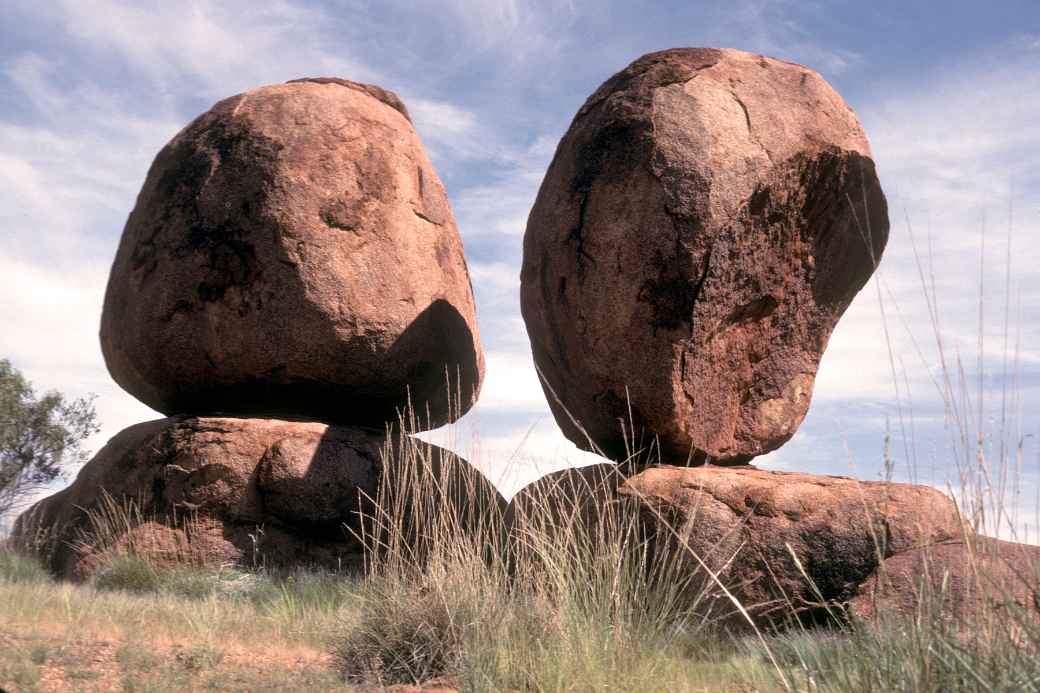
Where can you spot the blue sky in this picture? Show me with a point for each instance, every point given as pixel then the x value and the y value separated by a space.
pixel 949 99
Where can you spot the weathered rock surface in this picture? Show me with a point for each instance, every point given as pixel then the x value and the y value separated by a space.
pixel 292 254
pixel 958 578
pixel 218 490
pixel 745 523
pixel 706 220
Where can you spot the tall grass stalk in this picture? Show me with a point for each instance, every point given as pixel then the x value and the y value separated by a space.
pixel 547 595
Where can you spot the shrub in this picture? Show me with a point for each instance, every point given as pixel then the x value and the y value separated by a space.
pixel 526 605
pixel 128 573
pixel 16 566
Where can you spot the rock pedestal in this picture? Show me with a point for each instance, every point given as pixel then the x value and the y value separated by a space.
pixel 785 544
pixel 216 491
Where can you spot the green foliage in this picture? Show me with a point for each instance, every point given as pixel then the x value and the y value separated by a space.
pixel 409 632
pixel 527 605
pixel 18 567
pixel 129 574
pixel 40 436
pixel 997 651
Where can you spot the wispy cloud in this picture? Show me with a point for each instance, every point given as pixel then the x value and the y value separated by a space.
pixel 513 30
pixel 774 27
pixel 219 47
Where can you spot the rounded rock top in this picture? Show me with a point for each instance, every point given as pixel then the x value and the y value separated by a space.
pixel 292 253
pixel 706 220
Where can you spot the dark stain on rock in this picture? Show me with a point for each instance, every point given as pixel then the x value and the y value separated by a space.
pixel 329 219
pixel 671 297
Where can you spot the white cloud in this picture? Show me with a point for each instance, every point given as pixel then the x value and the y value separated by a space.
pixel 441 117
pixel 515 30
pixel 512 384
pixel 499 277
pixel 501 207
pixel 222 47
pixel 769 27
pixel 953 152
pixel 50 334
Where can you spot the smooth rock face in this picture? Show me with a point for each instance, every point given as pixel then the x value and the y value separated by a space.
pixel 706 220
pixel 745 522
pixel 221 490
pixel 958 578
pixel 292 254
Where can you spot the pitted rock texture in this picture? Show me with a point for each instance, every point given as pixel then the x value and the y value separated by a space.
pixel 706 220
pixel 747 525
pixel 292 254
pixel 216 491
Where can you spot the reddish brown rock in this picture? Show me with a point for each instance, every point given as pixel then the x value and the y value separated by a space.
pixel 215 491
pixel 960 580
pixel 292 254
pixel 744 523
pixel 706 220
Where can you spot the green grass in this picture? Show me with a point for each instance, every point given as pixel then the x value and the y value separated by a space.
pixel 16 567
pixel 579 605
pixel 551 600
pixel 178 630
pixel 486 630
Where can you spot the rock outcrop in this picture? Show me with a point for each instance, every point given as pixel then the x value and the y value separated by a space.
pixel 748 525
pixel 217 491
pixel 292 254
pixel 706 220
pixel 958 579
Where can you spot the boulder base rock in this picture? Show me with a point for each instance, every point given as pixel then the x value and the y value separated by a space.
pixel 747 525
pixel 217 491
pixel 959 579
pixel 292 254
pixel 706 220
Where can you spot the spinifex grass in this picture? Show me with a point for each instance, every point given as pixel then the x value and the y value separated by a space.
pixel 548 598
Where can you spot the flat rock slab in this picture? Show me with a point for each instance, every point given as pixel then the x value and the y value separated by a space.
pixel 219 491
pixel 292 254
pixel 706 220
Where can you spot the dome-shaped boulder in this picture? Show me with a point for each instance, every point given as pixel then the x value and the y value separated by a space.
pixel 292 254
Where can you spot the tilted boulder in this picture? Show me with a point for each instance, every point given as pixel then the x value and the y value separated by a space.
pixel 706 220
pixel 292 254
pixel 215 491
pixel 747 525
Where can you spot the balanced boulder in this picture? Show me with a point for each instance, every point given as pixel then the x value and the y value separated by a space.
pixel 292 254
pixel 706 220
pixel 216 491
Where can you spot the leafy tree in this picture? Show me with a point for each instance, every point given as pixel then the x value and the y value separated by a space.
pixel 40 437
